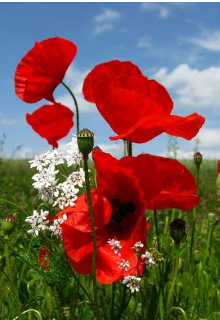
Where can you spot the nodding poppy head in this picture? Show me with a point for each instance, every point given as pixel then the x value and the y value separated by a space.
pixel 42 69
pixel 52 122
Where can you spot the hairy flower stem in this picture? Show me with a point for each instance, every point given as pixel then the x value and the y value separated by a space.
pixel 159 249
pixel 129 148
pixel 89 199
pixel 10 275
pixel 24 265
pixel 76 105
pixel 194 221
pixel 174 276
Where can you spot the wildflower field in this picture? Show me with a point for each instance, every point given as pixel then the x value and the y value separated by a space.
pixel 85 235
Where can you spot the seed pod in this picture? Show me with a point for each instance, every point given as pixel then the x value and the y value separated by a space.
pixel 8 224
pixel 85 140
pixel 198 158
pixel 178 230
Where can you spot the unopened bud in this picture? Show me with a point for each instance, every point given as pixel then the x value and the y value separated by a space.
pixel 211 217
pixel 178 230
pixel 8 224
pixel 85 140
pixel 198 158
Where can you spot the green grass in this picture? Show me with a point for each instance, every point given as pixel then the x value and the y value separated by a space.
pixel 173 289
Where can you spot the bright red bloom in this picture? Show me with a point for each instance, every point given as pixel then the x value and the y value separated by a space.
pixel 52 122
pixel 126 188
pixel 42 69
pixel 218 166
pixel 136 108
pixel 44 257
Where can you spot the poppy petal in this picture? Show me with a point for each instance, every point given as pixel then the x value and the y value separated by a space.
pixel 153 125
pixel 42 69
pixel 106 72
pixel 52 122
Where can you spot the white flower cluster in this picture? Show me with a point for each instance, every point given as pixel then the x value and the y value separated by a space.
pixel 115 245
pixel 39 222
pixel 148 259
pixel 132 282
pixel 55 228
pixel 124 264
pixel 50 190
pixel 138 246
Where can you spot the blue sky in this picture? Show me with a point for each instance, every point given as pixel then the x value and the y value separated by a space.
pixel 178 44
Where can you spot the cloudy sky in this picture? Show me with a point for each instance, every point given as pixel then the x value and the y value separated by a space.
pixel 178 44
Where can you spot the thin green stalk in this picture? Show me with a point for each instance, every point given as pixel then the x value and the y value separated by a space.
pixel 125 147
pixel 160 269
pixel 123 303
pixel 80 285
pixel 89 199
pixel 24 265
pixel 129 148
pixel 174 276
pixel 31 310
pixel 76 105
pixel 112 315
pixel 14 204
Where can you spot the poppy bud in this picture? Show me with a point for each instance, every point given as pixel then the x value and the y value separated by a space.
pixel 85 139
pixel 198 158
pixel 8 224
pixel 178 230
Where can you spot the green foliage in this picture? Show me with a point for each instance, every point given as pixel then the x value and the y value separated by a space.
pixel 57 292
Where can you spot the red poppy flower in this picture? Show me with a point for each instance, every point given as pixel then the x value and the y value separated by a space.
pixel 218 166
pixel 42 69
pixel 136 108
pixel 126 188
pixel 52 122
pixel 44 257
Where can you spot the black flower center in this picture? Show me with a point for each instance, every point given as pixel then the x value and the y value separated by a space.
pixel 120 209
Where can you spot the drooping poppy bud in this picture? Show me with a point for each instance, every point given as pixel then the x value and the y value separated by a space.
pixel 8 224
pixel 85 139
pixel 198 158
pixel 178 230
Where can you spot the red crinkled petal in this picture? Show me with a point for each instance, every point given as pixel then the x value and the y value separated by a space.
pixel 126 100
pixel 79 214
pixel 174 184
pixel 153 125
pixel 156 176
pixel 52 122
pixel 106 72
pixel 42 69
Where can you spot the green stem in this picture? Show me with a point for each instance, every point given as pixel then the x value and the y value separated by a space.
pixel 180 310
pixel 129 148
pixel 159 250
pixel 112 315
pixel 76 105
pixel 31 310
pixel 24 265
pixel 174 276
pixel 14 204
pixel 125 147
pixel 89 199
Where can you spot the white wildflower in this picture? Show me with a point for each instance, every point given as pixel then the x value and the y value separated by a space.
pixel 66 195
pixel 115 245
pixel 55 157
pixel 124 264
pixel 77 178
pixel 45 178
pixel 148 259
pixel 132 282
pixel 138 246
pixel 40 161
pixel 38 221
pixel 55 228
pixel 74 155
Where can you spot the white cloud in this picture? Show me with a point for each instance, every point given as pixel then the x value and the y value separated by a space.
pixel 160 8
pixel 115 149
pixel 193 87
pixel 105 21
pixel 209 40
pixel 107 15
pixel 7 121
pixel 209 138
pixel 100 28
pixel 74 79
pixel 144 42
